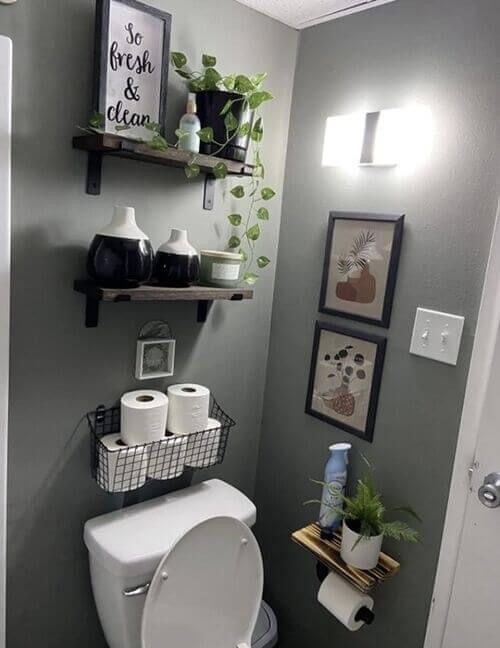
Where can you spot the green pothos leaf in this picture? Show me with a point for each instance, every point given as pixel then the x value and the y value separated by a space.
pixel 178 59
pixel 206 135
pixel 192 170
pixel 253 232
pixel 238 191
pixel 263 261
pixel 233 242
pixel 250 278
pixel 220 170
pixel 97 120
pixel 208 60
pixel 230 122
pixel 267 193
pixel 234 219
pixel 243 254
pixel 263 213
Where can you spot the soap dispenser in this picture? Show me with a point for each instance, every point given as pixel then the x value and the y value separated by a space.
pixel 190 125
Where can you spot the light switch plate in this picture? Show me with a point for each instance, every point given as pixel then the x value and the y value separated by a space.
pixel 437 335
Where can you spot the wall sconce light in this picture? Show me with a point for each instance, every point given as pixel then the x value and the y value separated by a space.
pixel 384 138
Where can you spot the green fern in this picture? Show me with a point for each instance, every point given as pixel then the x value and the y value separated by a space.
pixel 366 511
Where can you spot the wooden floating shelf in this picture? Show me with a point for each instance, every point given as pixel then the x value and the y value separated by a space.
pixel 98 145
pixel 328 554
pixel 205 296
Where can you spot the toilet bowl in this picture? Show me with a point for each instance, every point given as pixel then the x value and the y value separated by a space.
pixel 183 570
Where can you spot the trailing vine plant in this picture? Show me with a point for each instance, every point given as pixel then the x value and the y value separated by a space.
pixel 248 221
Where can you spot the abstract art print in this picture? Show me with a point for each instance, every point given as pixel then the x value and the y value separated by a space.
pixel 361 264
pixel 344 380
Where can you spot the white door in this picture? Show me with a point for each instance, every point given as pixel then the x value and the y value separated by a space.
pixel 5 137
pixel 466 606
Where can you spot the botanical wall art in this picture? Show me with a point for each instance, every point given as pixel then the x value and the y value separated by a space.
pixel 361 263
pixel 132 53
pixel 155 354
pixel 344 380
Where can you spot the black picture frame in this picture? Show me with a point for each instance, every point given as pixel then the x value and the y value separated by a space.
pixel 390 286
pixel 101 49
pixel 380 344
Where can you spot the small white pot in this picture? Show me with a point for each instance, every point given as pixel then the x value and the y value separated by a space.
pixel 364 554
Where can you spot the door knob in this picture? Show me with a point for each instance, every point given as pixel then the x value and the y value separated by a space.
pixel 489 493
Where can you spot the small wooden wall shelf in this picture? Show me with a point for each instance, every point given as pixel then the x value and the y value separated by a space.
pixel 98 145
pixel 328 553
pixel 205 296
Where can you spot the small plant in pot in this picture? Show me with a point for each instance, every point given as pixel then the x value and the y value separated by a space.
pixel 365 525
pixel 227 106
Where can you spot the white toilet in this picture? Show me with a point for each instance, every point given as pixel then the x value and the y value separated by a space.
pixel 181 571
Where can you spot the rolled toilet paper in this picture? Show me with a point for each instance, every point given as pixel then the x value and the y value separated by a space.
pixel 167 458
pixel 120 468
pixel 143 416
pixel 203 447
pixel 343 600
pixel 188 408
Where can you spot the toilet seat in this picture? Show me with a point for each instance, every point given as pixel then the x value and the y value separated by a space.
pixel 207 590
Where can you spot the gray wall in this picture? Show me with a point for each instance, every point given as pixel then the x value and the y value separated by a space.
pixel 444 54
pixel 60 370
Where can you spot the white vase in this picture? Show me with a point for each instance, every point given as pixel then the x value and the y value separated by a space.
pixel 362 553
pixel 177 262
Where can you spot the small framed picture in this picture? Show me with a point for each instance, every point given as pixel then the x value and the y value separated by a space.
pixel 344 380
pixel 132 52
pixel 361 265
pixel 154 359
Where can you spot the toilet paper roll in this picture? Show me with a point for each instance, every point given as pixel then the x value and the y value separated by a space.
pixel 343 600
pixel 188 408
pixel 120 468
pixel 203 447
pixel 143 416
pixel 167 458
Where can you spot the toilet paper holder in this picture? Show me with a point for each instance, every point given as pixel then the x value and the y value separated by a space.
pixel 365 615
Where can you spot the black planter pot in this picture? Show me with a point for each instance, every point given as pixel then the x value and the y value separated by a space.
pixel 177 263
pixel 209 106
pixel 121 255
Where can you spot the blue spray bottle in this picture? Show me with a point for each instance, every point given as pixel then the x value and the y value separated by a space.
pixel 335 482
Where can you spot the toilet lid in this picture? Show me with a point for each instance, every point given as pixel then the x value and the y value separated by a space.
pixel 207 590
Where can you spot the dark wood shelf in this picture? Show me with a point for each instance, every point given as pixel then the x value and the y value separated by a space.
pixel 204 295
pixel 327 552
pixel 98 145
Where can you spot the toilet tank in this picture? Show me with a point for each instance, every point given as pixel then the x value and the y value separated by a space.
pixel 126 546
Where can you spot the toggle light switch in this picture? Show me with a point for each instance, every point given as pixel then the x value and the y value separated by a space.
pixel 437 335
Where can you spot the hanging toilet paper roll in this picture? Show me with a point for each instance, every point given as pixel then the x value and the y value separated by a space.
pixel 203 447
pixel 167 458
pixel 188 408
pixel 343 601
pixel 143 416
pixel 120 468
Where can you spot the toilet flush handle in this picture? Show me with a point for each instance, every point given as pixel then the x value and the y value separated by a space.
pixel 137 591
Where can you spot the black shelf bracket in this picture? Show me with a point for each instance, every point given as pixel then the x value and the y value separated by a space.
pixel 203 310
pixel 209 192
pixel 91 312
pixel 94 173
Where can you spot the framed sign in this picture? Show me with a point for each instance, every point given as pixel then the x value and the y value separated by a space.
pixel 361 265
pixel 344 379
pixel 131 66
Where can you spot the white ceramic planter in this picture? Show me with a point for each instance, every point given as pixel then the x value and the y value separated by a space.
pixel 364 554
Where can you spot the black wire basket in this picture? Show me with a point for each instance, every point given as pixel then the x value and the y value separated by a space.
pixel 119 468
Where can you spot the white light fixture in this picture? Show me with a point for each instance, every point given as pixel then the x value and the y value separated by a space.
pixel 396 136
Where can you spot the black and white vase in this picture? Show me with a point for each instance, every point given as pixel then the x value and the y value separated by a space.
pixel 177 263
pixel 121 255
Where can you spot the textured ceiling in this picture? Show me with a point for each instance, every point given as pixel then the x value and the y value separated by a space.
pixel 304 13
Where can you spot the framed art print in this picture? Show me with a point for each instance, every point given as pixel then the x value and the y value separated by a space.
pixel 154 359
pixel 344 379
pixel 361 265
pixel 132 52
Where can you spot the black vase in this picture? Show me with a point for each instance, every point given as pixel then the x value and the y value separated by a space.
pixel 121 255
pixel 177 263
pixel 209 104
